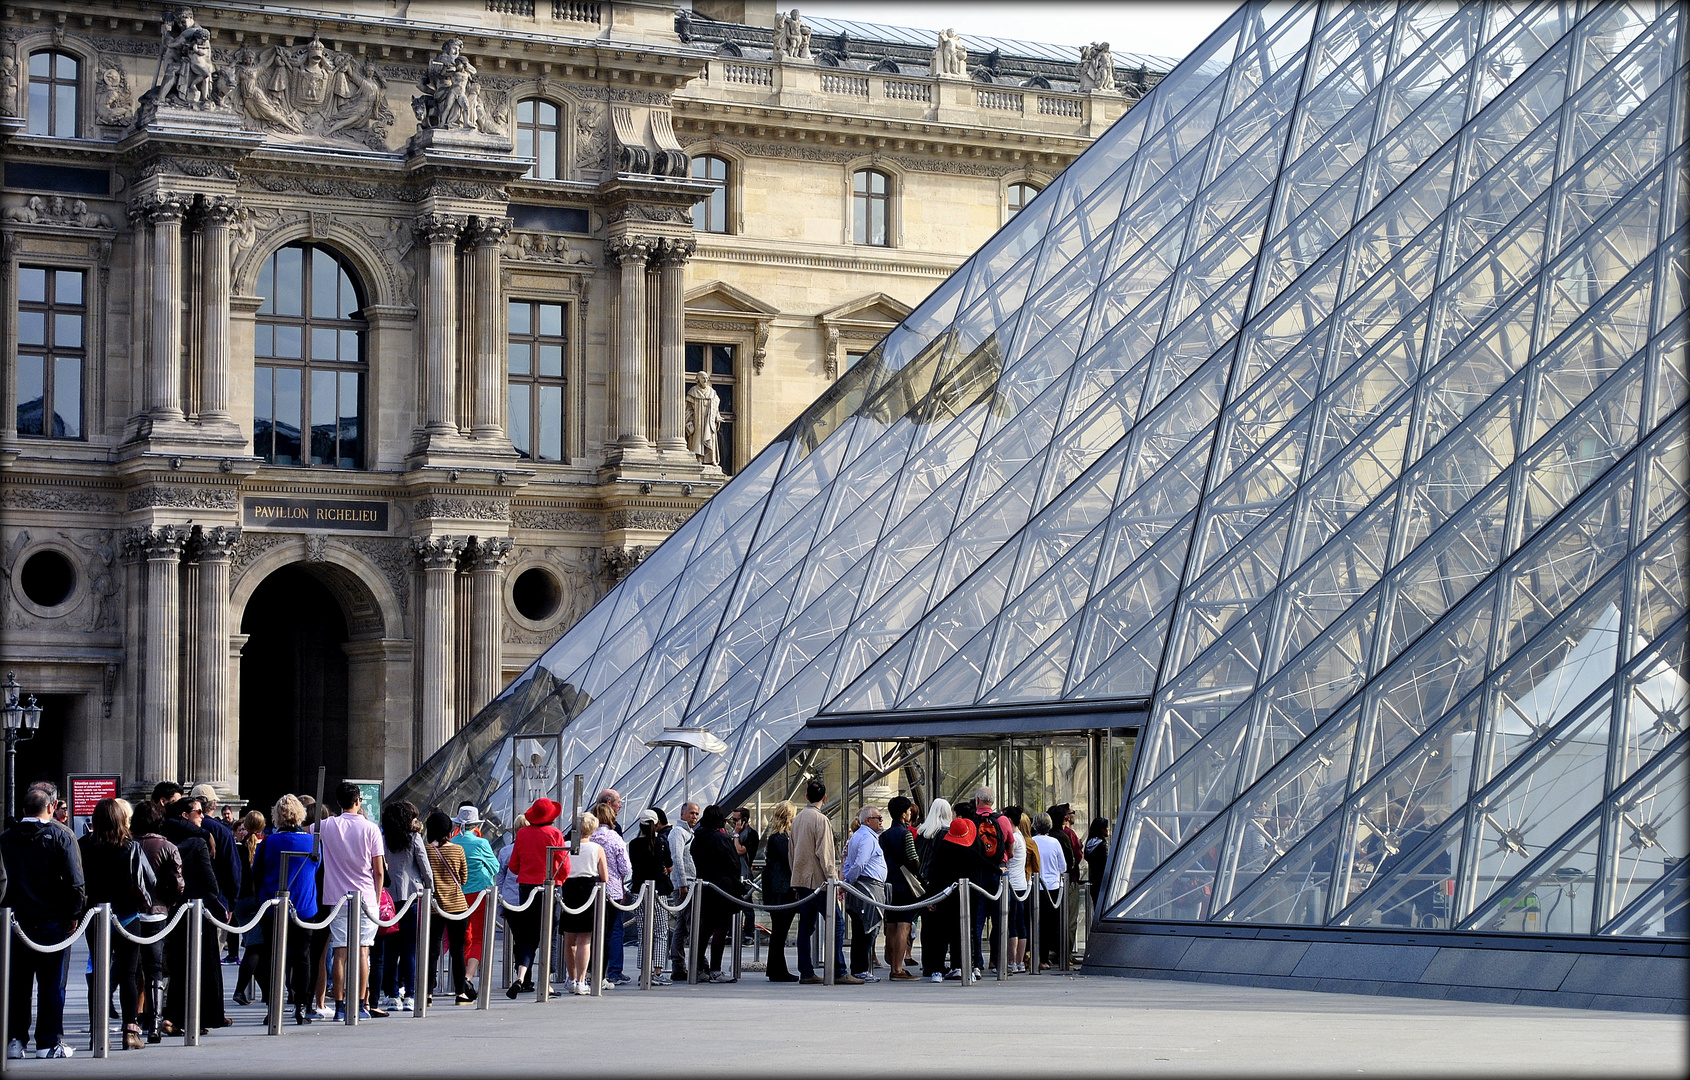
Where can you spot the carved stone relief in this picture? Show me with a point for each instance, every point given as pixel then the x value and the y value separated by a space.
pixel 114 102
pixel 557 520
pixel 463 509
pixel 57 499
pixel 314 91
pixel 544 247
pixel 392 558
pixel 188 498
pixel 57 210
pixel 251 546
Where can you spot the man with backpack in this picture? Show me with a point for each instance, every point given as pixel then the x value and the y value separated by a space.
pixel 47 894
pixel 994 839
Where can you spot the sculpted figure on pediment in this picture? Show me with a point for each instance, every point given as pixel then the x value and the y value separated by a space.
pixel 315 91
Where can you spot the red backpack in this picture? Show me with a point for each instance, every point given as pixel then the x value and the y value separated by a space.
pixel 988 838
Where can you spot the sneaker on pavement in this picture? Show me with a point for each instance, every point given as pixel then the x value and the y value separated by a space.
pixel 14 1049
pixel 847 980
pixel 323 1012
pixel 57 1050
pixel 865 976
pixel 810 980
pixel 938 978
pixel 606 984
pixel 339 1010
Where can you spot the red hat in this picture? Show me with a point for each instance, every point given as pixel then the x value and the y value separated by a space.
pixel 961 832
pixel 543 812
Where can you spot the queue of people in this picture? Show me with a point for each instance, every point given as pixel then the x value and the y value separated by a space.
pixel 147 860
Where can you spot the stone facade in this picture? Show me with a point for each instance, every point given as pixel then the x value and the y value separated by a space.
pixel 167 184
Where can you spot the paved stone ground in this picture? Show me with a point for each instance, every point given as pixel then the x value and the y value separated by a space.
pixel 1097 1025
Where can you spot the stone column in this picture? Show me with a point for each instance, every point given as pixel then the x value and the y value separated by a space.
pixel 487 239
pixel 628 356
pixel 440 354
pixel 438 556
pixel 161 551
pixel 216 732
pixel 486 657
pixel 216 213
pixel 672 344
pixel 165 390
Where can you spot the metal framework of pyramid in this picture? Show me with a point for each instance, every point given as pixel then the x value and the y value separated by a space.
pixel 1330 407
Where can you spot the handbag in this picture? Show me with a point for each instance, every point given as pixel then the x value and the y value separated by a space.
pixel 913 884
pixel 385 911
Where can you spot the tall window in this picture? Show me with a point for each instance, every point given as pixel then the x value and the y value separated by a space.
pixel 539 339
pixel 870 207
pixel 309 363
pixel 711 215
pixel 1020 195
pixel 719 361
pixel 539 135
pixel 51 352
pixel 52 94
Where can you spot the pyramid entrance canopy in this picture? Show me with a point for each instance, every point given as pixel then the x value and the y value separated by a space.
pixel 1328 411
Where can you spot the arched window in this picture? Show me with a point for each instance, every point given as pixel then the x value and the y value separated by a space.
pixel 1019 196
pixel 53 80
pixel 309 360
pixel 871 208
pixel 711 215
pixel 539 135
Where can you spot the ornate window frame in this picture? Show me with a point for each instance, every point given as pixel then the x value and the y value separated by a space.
pixel 88 62
pixel 735 188
pixel 49 245
pixel 1038 180
pixel 894 202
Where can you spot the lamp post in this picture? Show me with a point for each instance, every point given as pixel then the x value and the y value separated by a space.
pixel 21 721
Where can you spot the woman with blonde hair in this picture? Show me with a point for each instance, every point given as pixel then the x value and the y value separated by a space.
pixel 289 838
pixel 1023 867
pixel 777 887
pixel 935 938
pixel 587 868
pixel 251 981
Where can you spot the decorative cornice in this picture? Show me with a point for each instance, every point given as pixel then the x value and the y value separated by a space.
pixel 646 519
pixel 56 499
pixel 457 509
pixel 555 520
pixel 186 498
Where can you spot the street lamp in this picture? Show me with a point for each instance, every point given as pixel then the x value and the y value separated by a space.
pixel 21 721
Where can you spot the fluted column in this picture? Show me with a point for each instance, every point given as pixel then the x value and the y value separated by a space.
pixel 216 736
pixel 165 391
pixel 487 239
pixel 215 214
pixel 161 552
pixel 140 302
pixel 440 335
pixel 672 344
pixel 487 594
pixel 438 556
pixel 629 353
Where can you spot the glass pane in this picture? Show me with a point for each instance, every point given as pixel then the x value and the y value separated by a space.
pixel 263 417
pixel 521 358
pixel 325 286
pixel 32 285
pixel 325 344
pixel 288 341
pixel 551 320
pixel 518 417
pixel 350 430
pixel 67 287
pixel 551 361
pixel 67 397
pixel 289 282
pixel 32 328
pixel 264 340
pixel 550 436
pixel 520 314
pixel 32 395
pixel 288 415
pixel 64 110
pixel 325 417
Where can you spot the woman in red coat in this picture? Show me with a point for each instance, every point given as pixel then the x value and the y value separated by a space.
pixel 528 863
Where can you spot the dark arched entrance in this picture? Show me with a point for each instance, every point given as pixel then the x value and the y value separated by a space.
pixel 294 688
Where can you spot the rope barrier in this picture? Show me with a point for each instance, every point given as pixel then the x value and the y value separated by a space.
pixel 524 906
pixel 398 913
pixel 682 906
pixel 334 913
pixel 752 904
pixel 993 895
pixel 583 909
pixel 924 903
pixel 461 916
pixel 87 921
pixel 169 925
pixel 249 927
pixel 619 906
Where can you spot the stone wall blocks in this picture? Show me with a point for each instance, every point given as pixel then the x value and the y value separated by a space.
pixel 1515 970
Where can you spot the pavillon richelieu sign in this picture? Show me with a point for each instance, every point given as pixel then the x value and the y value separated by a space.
pixel 339 514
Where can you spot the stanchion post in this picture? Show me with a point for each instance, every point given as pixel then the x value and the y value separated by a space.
pixel 738 930
pixel 1064 949
pixel 648 930
pixel 192 977
pixel 1003 928
pixel 1035 917
pixel 965 924
pixel 695 921
pixel 543 960
pixel 421 999
pixel 353 988
pixel 830 929
pixel 5 978
pixel 595 968
pixel 99 1004
pixel 489 929
pixel 278 946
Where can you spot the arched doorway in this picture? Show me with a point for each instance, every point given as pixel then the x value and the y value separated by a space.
pixel 295 701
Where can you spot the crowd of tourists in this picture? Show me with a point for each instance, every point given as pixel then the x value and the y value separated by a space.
pixel 902 870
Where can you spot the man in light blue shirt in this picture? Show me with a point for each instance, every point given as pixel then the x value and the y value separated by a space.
pixel 865 870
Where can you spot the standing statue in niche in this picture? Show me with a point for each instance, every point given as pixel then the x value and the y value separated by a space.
pixel 451 96
pixel 792 37
pixel 950 58
pixel 1097 67
pixel 704 420
pixel 186 76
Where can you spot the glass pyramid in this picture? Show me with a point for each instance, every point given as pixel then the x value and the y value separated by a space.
pixel 1330 407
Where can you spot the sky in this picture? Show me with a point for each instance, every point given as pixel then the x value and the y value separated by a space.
pixel 1156 27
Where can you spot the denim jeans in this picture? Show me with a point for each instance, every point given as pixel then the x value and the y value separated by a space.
pixel 614 938
pixel 807 916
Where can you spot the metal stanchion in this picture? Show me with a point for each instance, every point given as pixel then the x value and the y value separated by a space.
pixel 5 978
pixel 420 997
pixel 99 1004
pixel 738 929
pixel 595 968
pixel 192 977
pixel 278 946
pixel 489 930
pixel 830 930
pixel 1003 928
pixel 695 920
pixel 543 959
pixel 965 923
pixel 648 930
pixel 353 984
pixel 1035 916
pixel 1064 950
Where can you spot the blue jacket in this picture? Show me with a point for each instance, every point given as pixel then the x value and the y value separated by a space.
pixel 302 872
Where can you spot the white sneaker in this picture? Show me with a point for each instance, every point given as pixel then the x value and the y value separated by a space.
pixel 866 976
pixel 938 978
pixel 606 984
pixel 324 1012
pixel 583 989
pixel 57 1050
pixel 14 1049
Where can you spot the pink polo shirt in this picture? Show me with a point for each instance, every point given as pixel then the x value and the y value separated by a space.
pixel 350 842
